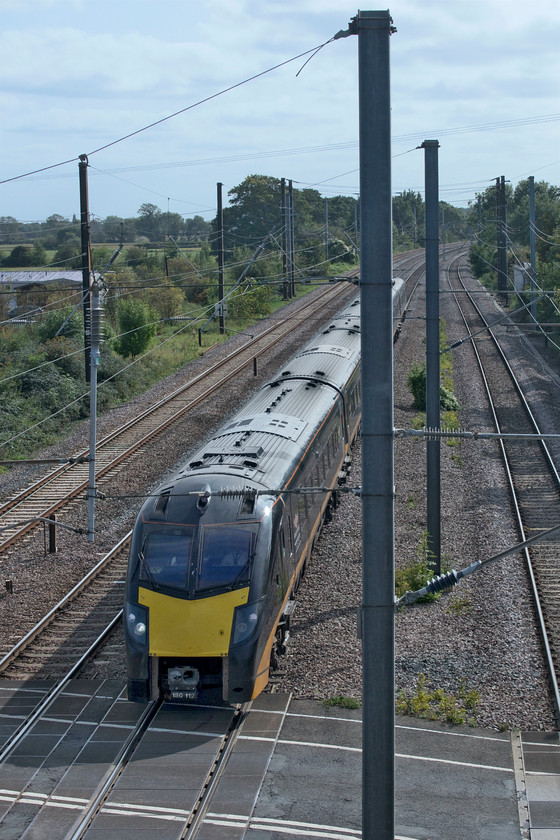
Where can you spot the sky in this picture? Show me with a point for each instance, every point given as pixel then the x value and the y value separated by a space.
pixel 480 76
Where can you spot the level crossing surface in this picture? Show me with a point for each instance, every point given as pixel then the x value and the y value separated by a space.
pixel 295 771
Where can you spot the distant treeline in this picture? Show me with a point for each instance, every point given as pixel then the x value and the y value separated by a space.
pixel 254 213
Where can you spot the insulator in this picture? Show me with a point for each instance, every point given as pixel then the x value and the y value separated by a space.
pixel 443 583
pixel 96 323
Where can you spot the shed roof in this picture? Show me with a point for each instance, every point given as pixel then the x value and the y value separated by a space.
pixel 26 278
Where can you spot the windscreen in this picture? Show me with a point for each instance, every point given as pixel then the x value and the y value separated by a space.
pixel 166 557
pixel 226 555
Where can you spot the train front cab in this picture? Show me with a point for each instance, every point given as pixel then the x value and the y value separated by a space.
pixel 197 616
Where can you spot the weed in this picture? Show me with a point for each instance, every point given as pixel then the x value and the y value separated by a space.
pixel 438 704
pixel 415 575
pixel 342 702
pixel 459 606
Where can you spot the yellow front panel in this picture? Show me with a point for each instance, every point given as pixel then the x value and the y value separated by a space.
pixel 190 628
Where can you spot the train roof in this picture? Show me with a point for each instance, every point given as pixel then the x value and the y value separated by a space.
pixel 261 443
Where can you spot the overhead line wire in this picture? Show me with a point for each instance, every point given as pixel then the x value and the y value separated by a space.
pixel 175 114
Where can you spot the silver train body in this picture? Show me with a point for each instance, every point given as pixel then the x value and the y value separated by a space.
pixel 218 551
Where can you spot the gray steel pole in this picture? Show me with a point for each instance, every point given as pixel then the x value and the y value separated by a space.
pixel 326 215
pixel 86 259
pixel 432 351
pixel 289 251
pixel 285 294
pixel 479 236
pixel 533 247
pixel 503 251
pixel 292 262
pixel 376 283
pixel 96 315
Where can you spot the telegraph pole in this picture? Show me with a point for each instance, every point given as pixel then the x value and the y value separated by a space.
pixel 376 286
pixel 220 218
pixel 86 259
pixel 433 467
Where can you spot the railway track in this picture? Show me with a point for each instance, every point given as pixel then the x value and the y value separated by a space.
pixel 108 739
pixel 76 625
pixel 54 490
pixel 531 471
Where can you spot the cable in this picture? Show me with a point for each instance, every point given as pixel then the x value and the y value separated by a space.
pixel 207 99
pixel 171 116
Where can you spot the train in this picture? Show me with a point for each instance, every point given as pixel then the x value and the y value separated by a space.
pixel 218 551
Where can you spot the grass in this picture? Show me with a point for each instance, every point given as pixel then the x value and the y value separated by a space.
pixel 415 574
pixel 460 605
pixel 342 702
pixel 438 704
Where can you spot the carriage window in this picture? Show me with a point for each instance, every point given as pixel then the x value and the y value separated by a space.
pixel 166 556
pixel 225 558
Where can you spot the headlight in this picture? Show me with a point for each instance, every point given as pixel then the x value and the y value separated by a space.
pixel 245 619
pixel 136 622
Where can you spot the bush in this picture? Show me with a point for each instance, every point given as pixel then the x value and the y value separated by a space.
pixel 20 257
pixel 136 326
pixel 51 323
pixel 250 304
pixel 417 385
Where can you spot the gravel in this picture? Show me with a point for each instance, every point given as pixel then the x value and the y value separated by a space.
pixel 480 638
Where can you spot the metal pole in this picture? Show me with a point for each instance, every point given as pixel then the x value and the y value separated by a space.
pixel 292 241
pixel 432 352
pixel 285 295
pixel 504 263
pixel 378 597
pixel 220 218
pixel 326 213
pixel 86 258
pixel 479 236
pixel 289 243
pixel 96 314
pixel 533 247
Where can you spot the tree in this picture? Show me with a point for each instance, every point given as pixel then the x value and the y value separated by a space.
pixel 149 223
pixel 70 321
pixel 254 211
pixel 20 257
pixel 171 224
pixel 409 217
pixel 166 299
pixel 136 327
pixel 483 253
pixel 8 228
pixel 197 230
pixel 68 256
pixel 39 255
pixel 114 227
